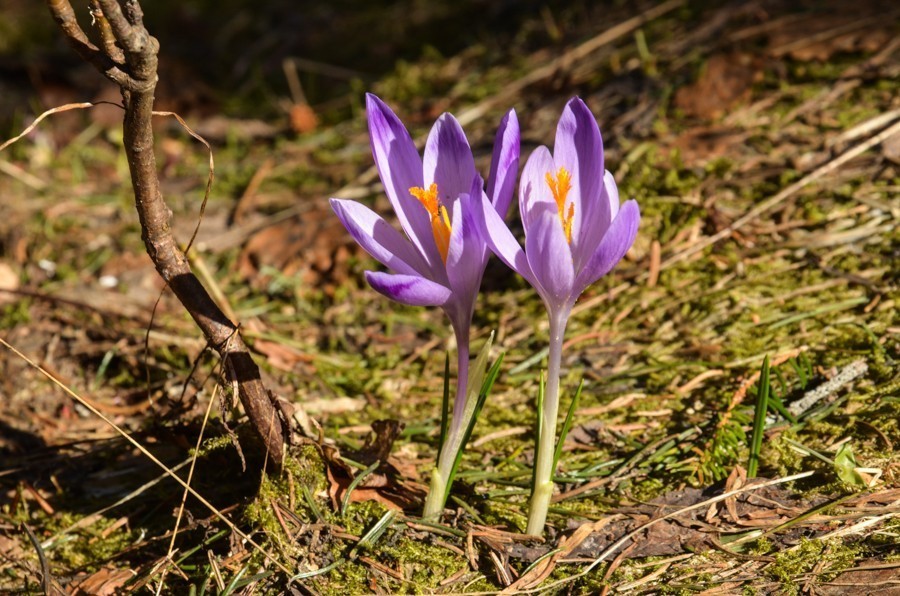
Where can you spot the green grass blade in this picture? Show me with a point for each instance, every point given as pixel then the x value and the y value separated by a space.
pixel 311 503
pixel 469 509
pixel 778 406
pixel 233 584
pixel 782 383
pixel 486 387
pixel 186 554
pixel 345 502
pixel 538 424
pixel 315 572
pixel 445 405
pixel 759 418
pixel 371 537
pixel 567 425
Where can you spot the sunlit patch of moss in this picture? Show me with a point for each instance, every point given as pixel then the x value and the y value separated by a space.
pixel 509 515
pixel 887 539
pixel 780 457
pixel 761 546
pixel 213 444
pixel 828 558
pixel 725 447
pixel 16 313
pixel 260 513
pixel 361 516
pixel 587 508
pixel 90 546
pixel 659 184
pixel 303 468
pixel 423 565
pixel 350 577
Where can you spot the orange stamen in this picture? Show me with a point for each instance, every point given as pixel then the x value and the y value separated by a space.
pixel 440 219
pixel 560 185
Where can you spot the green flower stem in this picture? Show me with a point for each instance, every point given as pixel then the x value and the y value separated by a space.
pixel 439 488
pixel 542 489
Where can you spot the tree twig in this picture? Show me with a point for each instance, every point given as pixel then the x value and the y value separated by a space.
pixel 129 59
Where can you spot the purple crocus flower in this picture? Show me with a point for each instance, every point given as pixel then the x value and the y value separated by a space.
pixel 441 259
pixel 575 233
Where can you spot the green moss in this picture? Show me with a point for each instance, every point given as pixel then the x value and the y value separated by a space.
pixel 301 468
pixel 351 577
pixel 779 456
pixel 505 514
pixel 16 313
pixel 828 558
pixel 424 565
pixel 87 548
pixel 213 444
pixel 360 516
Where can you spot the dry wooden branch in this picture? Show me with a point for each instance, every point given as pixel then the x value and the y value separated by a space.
pixel 129 58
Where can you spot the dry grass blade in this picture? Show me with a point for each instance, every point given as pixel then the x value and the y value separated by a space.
pixel 65 108
pixel 209 178
pixel 184 495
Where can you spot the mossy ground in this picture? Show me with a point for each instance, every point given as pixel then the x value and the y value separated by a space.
pixel 667 344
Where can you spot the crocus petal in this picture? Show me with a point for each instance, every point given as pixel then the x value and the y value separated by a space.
pixel 379 238
pixel 504 164
pixel 612 194
pixel 550 257
pixel 592 232
pixel 408 289
pixel 400 168
pixel 579 148
pixel 467 253
pixel 612 247
pixel 501 241
pixel 535 195
pixel 448 159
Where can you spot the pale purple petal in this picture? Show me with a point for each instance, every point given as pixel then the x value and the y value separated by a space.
pixel 400 168
pixel 549 256
pixel 592 232
pixel 379 238
pixel 448 160
pixel 612 194
pixel 467 252
pixel 504 164
pixel 535 195
pixel 501 241
pixel 612 248
pixel 579 148
pixel 408 289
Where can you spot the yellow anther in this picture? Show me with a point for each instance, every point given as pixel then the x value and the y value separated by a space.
pixel 560 185
pixel 440 219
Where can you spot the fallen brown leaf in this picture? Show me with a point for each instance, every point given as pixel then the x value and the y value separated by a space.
pixel 105 582
pixel 725 81
pixel 385 485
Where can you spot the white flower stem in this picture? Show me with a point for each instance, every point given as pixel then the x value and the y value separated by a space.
pixel 542 490
pixel 437 491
